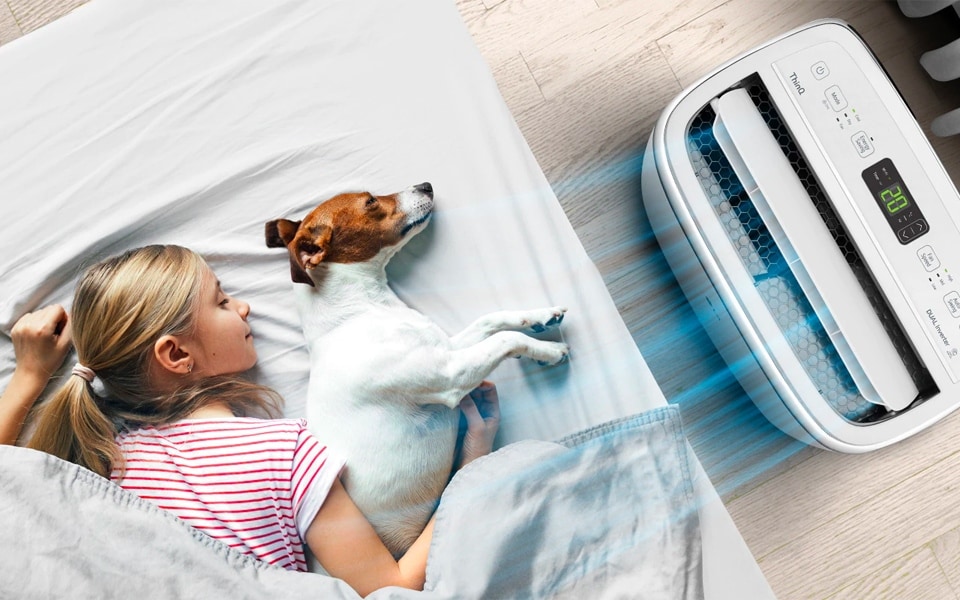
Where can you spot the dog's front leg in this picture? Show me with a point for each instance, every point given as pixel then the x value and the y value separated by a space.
pixel 532 321
pixel 467 367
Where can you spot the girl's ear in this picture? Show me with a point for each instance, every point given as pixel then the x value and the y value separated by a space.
pixel 172 356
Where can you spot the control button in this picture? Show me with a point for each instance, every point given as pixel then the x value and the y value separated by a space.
pixel 835 98
pixel 952 300
pixel 913 231
pixel 819 70
pixel 929 258
pixel 861 141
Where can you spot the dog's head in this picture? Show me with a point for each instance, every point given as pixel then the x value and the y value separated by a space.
pixel 351 228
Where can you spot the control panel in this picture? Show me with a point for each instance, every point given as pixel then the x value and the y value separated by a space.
pixel 858 123
pixel 895 201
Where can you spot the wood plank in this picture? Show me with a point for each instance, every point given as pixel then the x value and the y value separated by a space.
pixel 33 14
pixel 9 30
pixel 517 86
pixel 612 111
pixel 947 550
pixel 828 485
pixel 915 576
pixel 605 36
pixel 471 10
pixel 514 26
pixel 739 25
pixel 875 531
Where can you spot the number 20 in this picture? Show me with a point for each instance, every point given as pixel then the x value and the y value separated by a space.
pixel 894 199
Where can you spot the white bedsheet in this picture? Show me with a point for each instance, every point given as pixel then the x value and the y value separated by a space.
pixel 156 122
pixel 138 121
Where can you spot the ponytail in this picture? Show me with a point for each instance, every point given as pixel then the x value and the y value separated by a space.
pixel 72 426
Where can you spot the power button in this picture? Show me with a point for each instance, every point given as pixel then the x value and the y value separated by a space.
pixel 819 70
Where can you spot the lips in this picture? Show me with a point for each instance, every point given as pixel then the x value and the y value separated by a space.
pixel 419 221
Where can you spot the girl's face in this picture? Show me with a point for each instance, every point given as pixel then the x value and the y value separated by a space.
pixel 222 333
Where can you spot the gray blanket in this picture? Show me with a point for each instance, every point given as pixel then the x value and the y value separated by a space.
pixel 609 512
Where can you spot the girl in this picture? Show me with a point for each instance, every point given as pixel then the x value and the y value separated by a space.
pixel 176 424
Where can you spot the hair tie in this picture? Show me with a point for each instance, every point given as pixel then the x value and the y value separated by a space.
pixel 83 372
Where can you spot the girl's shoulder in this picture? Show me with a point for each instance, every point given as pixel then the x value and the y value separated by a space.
pixel 240 422
pixel 218 426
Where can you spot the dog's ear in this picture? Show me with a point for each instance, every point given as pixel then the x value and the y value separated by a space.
pixel 280 232
pixel 298 275
pixel 312 249
pixel 308 252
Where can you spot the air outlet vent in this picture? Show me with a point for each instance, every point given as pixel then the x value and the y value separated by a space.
pixel 775 282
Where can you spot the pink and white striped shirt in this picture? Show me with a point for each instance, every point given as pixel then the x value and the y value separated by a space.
pixel 253 484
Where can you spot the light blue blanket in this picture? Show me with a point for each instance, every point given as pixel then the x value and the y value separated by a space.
pixel 609 512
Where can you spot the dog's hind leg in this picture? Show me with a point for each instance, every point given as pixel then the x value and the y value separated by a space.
pixel 531 321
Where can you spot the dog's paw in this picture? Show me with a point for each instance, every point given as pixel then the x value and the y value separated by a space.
pixel 556 353
pixel 546 319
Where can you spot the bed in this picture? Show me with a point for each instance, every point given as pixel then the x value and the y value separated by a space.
pixel 137 122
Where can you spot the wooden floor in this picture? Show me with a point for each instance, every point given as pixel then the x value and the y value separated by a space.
pixel 586 80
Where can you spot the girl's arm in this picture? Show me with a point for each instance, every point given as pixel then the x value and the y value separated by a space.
pixel 41 341
pixel 347 546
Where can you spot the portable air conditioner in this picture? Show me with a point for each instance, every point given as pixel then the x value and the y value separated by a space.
pixel 814 231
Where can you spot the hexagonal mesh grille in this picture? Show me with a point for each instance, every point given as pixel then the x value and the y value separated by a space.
pixel 773 279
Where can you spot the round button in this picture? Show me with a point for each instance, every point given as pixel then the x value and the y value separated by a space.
pixel 819 70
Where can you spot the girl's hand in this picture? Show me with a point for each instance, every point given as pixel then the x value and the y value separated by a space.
pixel 482 409
pixel 41 341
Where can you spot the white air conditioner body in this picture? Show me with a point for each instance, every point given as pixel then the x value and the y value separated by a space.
pixel 814 231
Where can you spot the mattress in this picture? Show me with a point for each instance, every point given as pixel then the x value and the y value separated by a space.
pixel 137 122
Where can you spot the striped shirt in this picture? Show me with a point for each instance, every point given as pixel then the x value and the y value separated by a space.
pixel 253 484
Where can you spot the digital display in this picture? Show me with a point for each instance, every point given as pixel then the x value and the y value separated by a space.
pixel 894 199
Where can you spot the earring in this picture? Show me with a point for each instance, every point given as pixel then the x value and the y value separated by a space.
pixel 190 368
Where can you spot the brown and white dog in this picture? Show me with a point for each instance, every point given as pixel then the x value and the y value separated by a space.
pixel 385 381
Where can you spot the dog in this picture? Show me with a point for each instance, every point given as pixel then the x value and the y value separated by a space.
pixel 385 381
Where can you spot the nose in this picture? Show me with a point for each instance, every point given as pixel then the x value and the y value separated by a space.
pixel 424 188
pixel 243 309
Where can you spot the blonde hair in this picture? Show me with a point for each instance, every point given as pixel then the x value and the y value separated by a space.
pixel 121 306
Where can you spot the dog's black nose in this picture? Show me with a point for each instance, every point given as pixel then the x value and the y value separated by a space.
pixel 425 188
